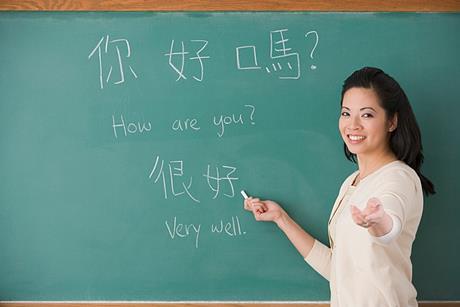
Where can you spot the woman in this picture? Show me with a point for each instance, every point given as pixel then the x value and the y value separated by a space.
pixel 377 212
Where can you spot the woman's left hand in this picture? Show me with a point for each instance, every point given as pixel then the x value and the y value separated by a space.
pixel 371 215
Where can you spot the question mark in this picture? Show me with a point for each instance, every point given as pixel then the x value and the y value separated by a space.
pixel 316 44
pixel 252 112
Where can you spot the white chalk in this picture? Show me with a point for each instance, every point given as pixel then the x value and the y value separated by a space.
pixel 244 194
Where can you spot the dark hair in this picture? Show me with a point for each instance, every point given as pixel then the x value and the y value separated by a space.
pixel 405 140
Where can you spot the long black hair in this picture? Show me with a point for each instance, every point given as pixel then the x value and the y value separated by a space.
pixel 405 140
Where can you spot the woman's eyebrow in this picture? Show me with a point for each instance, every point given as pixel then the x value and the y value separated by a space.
pixel 370 108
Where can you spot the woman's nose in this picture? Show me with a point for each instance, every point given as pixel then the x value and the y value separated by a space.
pixel 355 123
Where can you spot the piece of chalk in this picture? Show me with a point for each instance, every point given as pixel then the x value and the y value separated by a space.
pixel 244 194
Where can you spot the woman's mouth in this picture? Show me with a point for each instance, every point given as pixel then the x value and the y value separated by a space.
pixel 355 139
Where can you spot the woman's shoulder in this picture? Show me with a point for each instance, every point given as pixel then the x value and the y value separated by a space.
pixel 397 169
pixel 398 172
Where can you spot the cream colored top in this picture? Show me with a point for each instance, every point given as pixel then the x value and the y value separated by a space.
pixel 363 271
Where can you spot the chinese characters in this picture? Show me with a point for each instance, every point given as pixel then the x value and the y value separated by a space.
pixel 188 59
pixel 284 61
pixel 106 69
pixel 174 182
pixel 179 69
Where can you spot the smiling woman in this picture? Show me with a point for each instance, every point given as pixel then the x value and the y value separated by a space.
pixel 377 213
pixel 364 125
pixel 383 112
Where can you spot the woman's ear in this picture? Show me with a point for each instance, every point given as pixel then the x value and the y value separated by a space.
pixel 393 123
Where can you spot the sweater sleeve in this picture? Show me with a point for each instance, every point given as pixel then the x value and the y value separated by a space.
pixel 319 259
pixel 396 193
pixel 394 232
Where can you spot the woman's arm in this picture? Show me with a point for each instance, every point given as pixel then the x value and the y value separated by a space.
pixel 314 252
pixel 268 210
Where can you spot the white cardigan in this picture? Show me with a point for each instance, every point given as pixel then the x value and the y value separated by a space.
pixel 362 270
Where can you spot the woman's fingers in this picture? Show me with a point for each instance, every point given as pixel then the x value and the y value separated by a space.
pixel 263 210
pixel 375 217
pixel 356 214
pixel 358 217
pixel 257 210
pixel 374 211
pixel 255 205
pixel 373 201
pixel 369 216
pixel 248 202
pixel 373 205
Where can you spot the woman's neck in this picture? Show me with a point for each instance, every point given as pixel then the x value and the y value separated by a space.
pixel 369 164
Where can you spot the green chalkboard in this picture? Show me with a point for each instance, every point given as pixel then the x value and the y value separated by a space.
pixel 126 137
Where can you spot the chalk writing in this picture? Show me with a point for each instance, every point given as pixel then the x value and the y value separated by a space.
pixel 282 52
pixel 102 48
pixel 175 169
pixel 315 34
pixel 178 230
pixel 231 228
pixel 121 126
pixel 188 123
pixel 251 53
pixel 214 181
pixel 182 53
pixel 183 231
pixel 285 62
pixel 129 127
pixel 221 121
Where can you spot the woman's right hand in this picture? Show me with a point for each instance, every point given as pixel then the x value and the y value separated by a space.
pixel 264 210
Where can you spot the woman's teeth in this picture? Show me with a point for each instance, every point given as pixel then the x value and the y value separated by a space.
pixel 356 137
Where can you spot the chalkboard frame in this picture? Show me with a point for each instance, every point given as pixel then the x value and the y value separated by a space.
pixel 234 5
pixel 225 5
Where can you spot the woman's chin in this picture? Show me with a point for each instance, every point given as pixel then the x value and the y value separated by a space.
pixel 352 149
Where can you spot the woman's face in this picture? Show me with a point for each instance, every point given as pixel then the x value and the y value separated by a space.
pixel 363 123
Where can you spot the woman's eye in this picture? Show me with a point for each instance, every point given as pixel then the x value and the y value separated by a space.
pixel 367 115
pixel 345 114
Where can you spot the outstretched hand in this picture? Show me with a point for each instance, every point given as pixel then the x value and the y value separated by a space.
pixel 370 216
